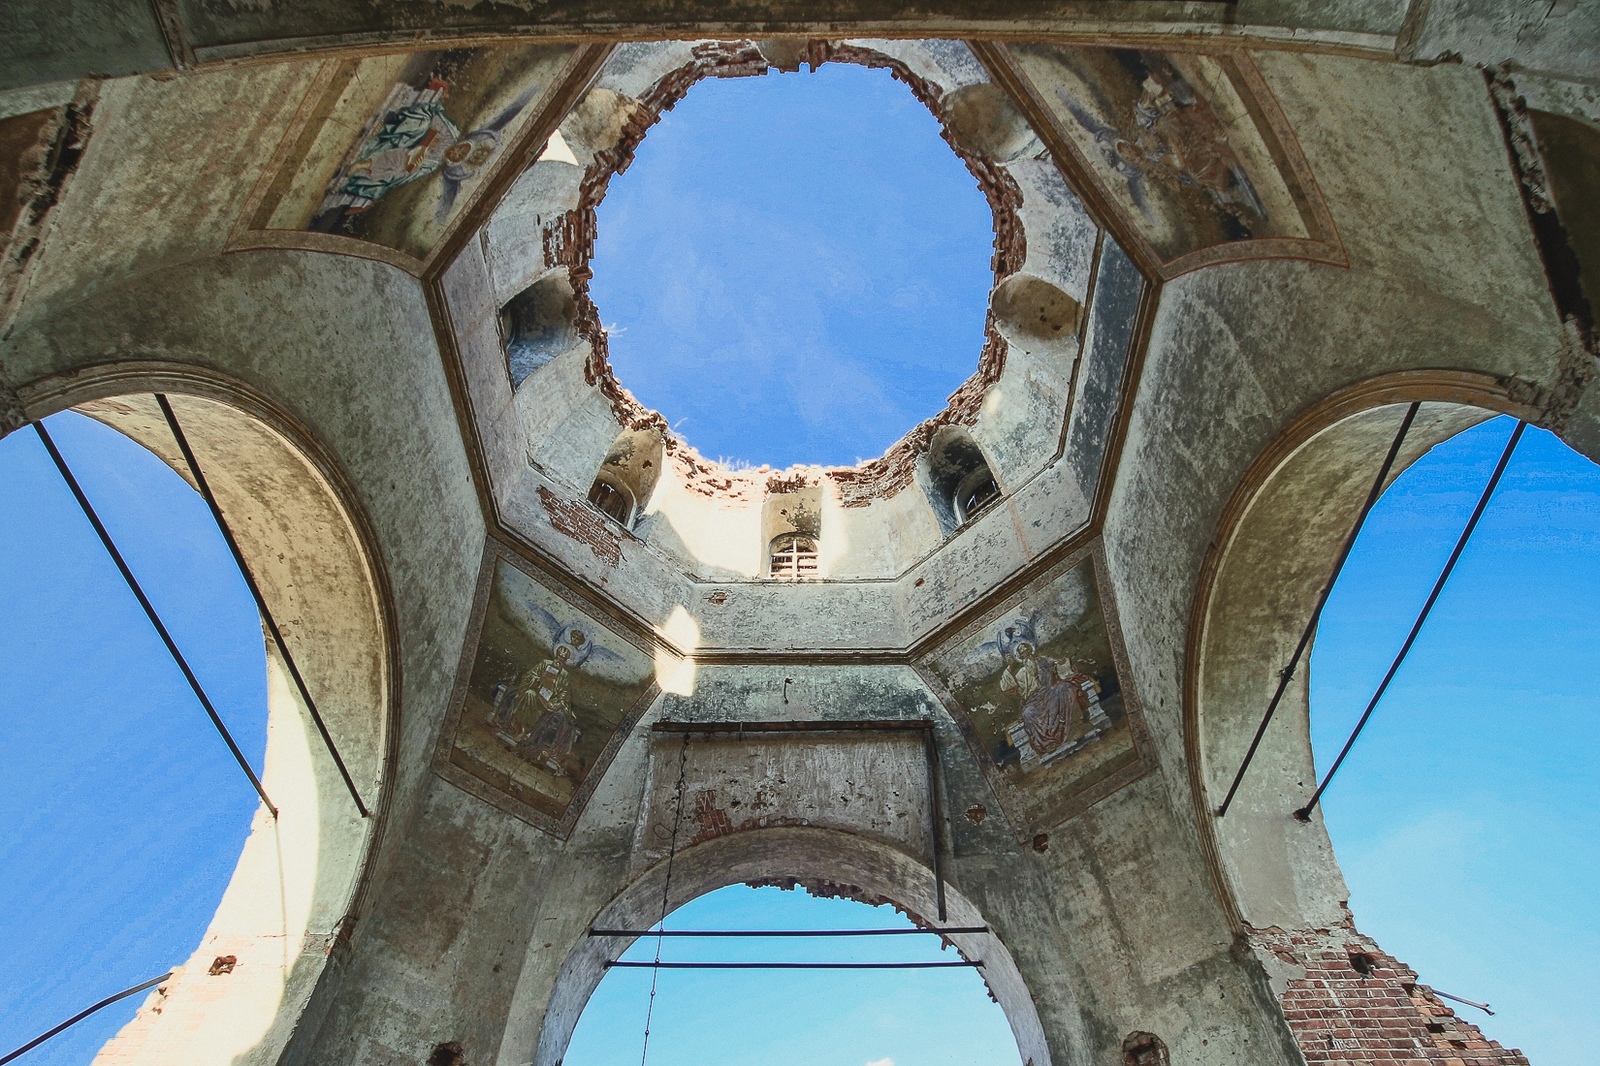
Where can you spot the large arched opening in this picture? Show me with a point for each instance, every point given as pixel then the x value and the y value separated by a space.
pixel 829 861
pixel 243 993
pixel 1278 541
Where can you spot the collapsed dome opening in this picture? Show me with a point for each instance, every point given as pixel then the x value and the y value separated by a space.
pixel 801 277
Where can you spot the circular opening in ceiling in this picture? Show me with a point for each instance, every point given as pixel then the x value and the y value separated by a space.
pixel 795 268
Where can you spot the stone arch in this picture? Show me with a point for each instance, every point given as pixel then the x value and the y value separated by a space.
pixel 1276 542
pixel 301 879
pixel 835 861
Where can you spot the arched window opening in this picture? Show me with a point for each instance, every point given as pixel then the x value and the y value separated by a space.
pixel 943 1017
pixel 1453 810
pixel 957 479
pixel 976 492
pixel 613 499
pixel 791 520
pixel 106 752
pixel 793 556
pixel 623 485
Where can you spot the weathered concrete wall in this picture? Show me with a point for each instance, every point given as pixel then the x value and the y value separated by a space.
pixel 343 348
pixel 1129 917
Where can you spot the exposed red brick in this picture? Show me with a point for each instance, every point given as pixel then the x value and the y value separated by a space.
pixel 1358 1004
pixel 569 241
pixel 583 524
pixel 778 485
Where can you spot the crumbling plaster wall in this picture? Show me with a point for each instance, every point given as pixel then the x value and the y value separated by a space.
pixel 131 279
pixel 1109 919
pixel 1443 275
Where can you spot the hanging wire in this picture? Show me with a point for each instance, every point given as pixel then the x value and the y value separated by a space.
pixel 1304 813
pixel 1287 672
pixel 666 890
pixel 150 611
pixel 81 1015
pixel 255 592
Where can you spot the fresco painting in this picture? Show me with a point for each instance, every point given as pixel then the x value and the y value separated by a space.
pixel 1184 144
pixel 549 695
pixel 394 146
pixel 1042 692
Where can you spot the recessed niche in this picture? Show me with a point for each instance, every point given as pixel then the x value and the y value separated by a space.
pixel 984 121
pixel 538 324
pixel 1033 314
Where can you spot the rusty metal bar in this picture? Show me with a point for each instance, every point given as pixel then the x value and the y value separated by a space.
pixel 935 814
pixel 1304 813
pixel 81 1015
pixel 150 611
pixel 881 725
pixel 1287 673
pixel 789 932
pixel 1457 999
pixel 620 965
pixel 261 603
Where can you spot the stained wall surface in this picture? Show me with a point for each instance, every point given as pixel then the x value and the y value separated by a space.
pixel 1036 707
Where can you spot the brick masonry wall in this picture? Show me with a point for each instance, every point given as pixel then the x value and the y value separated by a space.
pixel 1348 1001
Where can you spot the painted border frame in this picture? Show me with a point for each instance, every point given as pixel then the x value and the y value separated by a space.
pixel 494 554
pixel 1016 806
pixel 1322 246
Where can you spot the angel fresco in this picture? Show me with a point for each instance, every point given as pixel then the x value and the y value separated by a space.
pixel 550 693
pixel 1038 686
pixel 1171 132
pixel 1191 148
pixel 532 713
pixel 413 138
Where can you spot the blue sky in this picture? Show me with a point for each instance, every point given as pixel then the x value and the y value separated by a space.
pixel 765 267
pixel 124 813
pixel 1464 817
pixel 821 1017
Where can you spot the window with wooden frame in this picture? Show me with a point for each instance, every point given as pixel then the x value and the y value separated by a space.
pixel 793 556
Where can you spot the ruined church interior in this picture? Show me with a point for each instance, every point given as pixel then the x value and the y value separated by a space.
pixel 540 670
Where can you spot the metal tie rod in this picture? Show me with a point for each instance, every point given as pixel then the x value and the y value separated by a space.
pixel 1442 995
pixel 261 603
pixel 1304 813
pixel 787 932
pixel 150 611
pixel 80 1016
pixel 1287 673
pixel 619 965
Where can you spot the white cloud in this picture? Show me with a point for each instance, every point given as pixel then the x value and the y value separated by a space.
pixel 881 1062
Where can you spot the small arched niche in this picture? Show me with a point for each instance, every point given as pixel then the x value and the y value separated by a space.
pixel 538 324
pixel 297 887
pixel 626 480
pixel 1034 315
pixel 791 528
pixel 983 120
pixel 957 479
